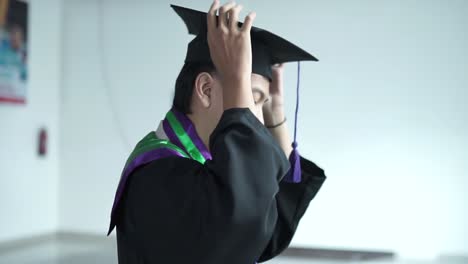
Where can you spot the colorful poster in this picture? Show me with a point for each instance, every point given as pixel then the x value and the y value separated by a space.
pixel 13 51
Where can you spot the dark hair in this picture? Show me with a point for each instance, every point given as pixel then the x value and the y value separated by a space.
pixel 185 82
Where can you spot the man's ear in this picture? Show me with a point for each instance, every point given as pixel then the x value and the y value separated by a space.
pixel 203 88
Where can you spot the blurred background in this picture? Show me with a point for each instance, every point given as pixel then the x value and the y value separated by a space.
pixel 384 112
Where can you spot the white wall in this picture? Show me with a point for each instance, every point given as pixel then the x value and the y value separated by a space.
pixel 28 184
pixel 384 112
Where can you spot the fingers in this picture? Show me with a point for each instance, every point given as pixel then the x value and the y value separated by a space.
pixel 228 17
pixel 211 16
pixel 223 15
pixel 234 17
pixel 248 22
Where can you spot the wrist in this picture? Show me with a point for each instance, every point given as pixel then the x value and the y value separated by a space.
pixel 276 125
pixel 235 80
pixel 236 92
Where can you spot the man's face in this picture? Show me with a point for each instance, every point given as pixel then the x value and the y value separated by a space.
pixel 260 92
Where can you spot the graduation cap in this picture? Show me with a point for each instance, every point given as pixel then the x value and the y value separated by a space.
pixel 268 49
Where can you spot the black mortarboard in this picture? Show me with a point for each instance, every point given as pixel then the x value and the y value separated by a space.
pixel 267 48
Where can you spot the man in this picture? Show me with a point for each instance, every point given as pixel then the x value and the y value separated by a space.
pixel 213 184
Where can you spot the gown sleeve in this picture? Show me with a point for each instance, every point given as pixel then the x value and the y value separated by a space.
pixel 227 206
pixel 292 202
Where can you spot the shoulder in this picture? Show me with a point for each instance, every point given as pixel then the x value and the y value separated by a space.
pixel 163 178
pixel 162 169
pixel 159 193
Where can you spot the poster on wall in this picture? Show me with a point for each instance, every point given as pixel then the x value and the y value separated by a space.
pixel 13 51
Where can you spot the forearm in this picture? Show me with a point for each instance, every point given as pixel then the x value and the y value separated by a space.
pixel 281 134
pixel 237 93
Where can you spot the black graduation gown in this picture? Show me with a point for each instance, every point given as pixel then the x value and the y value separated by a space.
pixel 233 209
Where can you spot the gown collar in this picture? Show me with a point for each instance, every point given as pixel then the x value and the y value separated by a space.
pixel 180 130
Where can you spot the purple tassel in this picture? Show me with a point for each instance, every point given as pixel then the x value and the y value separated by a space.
pixel 294 174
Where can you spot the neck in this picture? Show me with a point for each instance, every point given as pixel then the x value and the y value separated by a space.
pixel 201 128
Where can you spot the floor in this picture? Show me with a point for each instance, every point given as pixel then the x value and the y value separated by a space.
pixel 69 251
